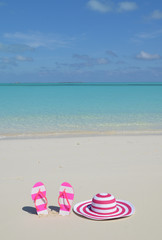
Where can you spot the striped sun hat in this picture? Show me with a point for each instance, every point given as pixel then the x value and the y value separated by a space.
pixel 104 206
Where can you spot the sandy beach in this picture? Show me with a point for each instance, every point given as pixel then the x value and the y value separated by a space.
pixel 129 167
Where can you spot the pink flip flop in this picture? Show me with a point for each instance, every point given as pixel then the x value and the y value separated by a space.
pixel 65 199
pixel 38 195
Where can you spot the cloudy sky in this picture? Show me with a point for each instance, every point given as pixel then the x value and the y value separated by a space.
pixel 80 41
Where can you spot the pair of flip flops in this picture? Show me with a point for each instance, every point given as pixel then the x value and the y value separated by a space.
pixel 65 199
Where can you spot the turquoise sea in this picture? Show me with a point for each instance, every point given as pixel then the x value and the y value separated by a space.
pixel 91 108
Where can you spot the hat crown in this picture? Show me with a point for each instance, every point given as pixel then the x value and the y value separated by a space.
pixel 104 203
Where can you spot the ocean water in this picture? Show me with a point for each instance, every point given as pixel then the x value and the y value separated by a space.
pixel 54 109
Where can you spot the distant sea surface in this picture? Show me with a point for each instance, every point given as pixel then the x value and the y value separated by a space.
pixel 37 110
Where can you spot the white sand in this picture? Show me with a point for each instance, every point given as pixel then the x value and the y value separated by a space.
pixel 129 167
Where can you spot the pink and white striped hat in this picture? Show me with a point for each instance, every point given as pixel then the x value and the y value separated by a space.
pixel 104 206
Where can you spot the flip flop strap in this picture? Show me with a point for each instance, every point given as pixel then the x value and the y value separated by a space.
pixel 62 194
pixel 36 197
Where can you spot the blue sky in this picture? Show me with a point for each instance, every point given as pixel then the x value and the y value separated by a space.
pixel 80 41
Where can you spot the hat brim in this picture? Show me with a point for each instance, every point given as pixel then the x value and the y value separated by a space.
pixel 124 209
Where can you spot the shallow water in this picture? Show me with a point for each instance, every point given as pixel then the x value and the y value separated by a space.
pixel 49 109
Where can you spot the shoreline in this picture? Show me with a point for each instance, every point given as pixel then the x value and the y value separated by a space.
pixel 79 134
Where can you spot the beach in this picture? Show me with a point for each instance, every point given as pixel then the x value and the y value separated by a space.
pixel 81 109
pixel 129 167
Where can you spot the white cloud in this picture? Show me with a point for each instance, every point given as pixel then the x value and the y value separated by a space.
pixel 15 48
pixel 102 61
pixel 23 59
pixel 90 61
pixel 104 6
pixel 127 6
pixel 6 62
pixel 157 14
pixel 147 56
pixel 99 5
pixel 37 39
pixel 147 35
pixel 141 37
pixel 84 61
